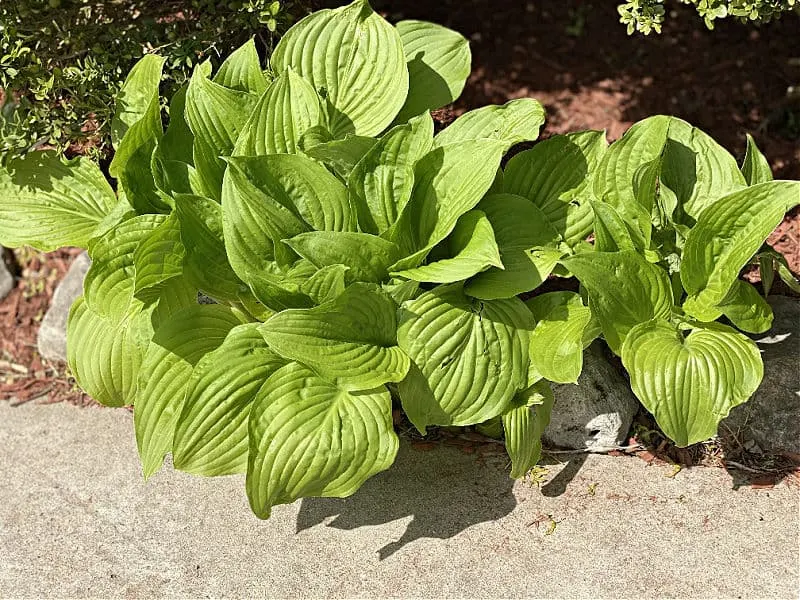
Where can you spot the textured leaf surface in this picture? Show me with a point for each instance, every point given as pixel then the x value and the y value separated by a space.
pixel 136 94
pixel 524 424
pixel 472 355
pixel 696 168
pixel 341 156
pixel 515 121
pixel 109 283
pixel 558 340
pixel 366 256
pixel 472 247
pixel 449 181
pixel 725 238
pixel 746 308
pixel 206 264
pixel 177 346
pixel 615 176
pixel 158 257
pixel 211 432
pixel 216 116
pixel 690 384
pixel 624 291
pixel 311 438
pixel 555 175
pixel 522 231
pixel 755 167
pixel 351 340
pixel 382 181
pixel 241 71
pixel 48 203
pixel 439 62
pixel 354 59
pixel 104 356
pixel 288 108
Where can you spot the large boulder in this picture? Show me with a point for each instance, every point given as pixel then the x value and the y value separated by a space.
pixel 597 412
pixel 771 418
pixel 52 341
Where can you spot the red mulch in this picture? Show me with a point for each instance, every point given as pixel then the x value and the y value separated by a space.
pixel 24 376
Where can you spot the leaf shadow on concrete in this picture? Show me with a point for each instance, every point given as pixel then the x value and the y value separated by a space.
pixel 444 491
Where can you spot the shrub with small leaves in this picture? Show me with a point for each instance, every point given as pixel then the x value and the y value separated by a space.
pixel 63 62
pixel 646 16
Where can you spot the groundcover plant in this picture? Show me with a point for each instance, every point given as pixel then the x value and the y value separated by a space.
pixel 355 259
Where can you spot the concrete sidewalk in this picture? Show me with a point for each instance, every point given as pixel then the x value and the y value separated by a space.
pixel 76 520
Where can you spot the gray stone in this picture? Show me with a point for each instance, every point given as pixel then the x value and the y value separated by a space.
pixel 52 341
pixel 6 278
pixel 771 418
pixel 597 412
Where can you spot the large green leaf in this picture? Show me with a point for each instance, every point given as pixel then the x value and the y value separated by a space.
pixel 206 264
pixel 103 355
pixel 746 308
pixel 559 338
pixel 109 282
pixel 366 256
pixel 613 233
pixel 690 383
pixel 555 175
pixel 624 291
pixel 326 284
pixel 354 59
pixel 515 121
pixel 382 181
pixel 297 184
pixel 527 248
pixel 727 235
pixel 211 432
pixel 351 339
pixel 615 177
pixel 241 71
pixel 216 116
pixel 136 95
pixel 696 168
pixel 172 160
pixel 48 203
pixel 472 248
pixel 449 181
pixel 158 257
pixel 524 424
pixel 133 159
pixel 177 346
pixel 439 62
pixel 755 167
pixel 472 355
pixel 341 156
pixel 288 108
pixel 309 437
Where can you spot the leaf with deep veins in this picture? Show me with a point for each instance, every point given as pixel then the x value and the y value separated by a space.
pixel 690 383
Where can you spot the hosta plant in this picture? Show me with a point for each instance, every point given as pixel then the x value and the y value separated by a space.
pixel 333 231
pixel 356 260
pixel 675 221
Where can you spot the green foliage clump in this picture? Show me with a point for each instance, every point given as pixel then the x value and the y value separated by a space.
pixel 63 62
pixel 646 16
pixel 358 261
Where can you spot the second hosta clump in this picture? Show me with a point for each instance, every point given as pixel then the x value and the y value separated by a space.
pixel 356 258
